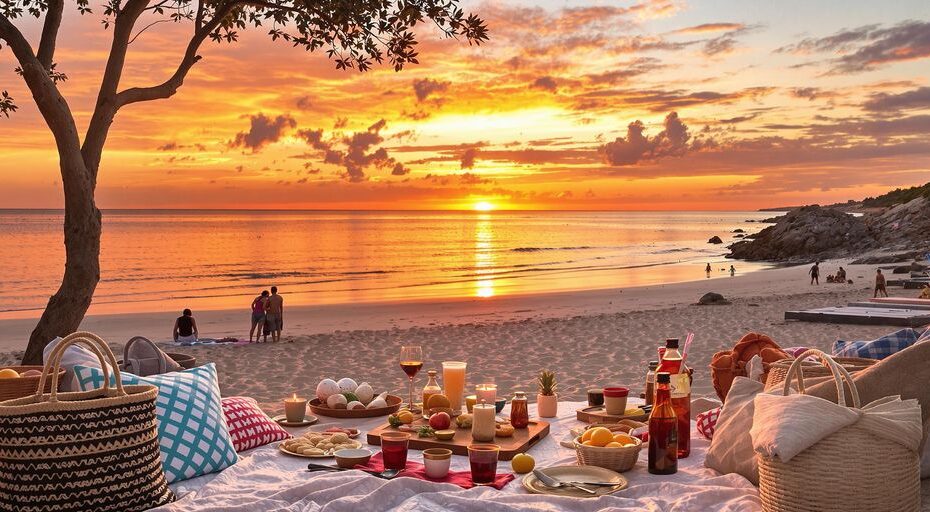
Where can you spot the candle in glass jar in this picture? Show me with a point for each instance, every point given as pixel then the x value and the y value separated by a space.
pixel 486 392
pixel 470 402
pixel 295 408
pixel 482 423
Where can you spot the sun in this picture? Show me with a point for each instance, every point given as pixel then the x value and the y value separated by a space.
pixel 483 206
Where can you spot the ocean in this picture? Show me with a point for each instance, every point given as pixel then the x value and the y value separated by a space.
pixel 156 260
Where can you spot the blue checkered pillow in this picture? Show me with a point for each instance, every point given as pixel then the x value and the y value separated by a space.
pixel 882 347
pixel 192 431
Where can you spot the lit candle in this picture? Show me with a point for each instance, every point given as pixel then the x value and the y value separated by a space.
pixel 482 422
pixel 470 402
pixel 486 392
pixel 295 408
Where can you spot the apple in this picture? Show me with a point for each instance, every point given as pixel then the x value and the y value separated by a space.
pixel 440 421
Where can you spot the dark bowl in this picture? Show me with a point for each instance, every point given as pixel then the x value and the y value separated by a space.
pixel 499 404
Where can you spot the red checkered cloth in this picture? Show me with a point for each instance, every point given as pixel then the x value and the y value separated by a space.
pixel 248 426
pixel 707 422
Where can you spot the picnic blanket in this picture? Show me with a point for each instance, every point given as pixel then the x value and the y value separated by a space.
pixel 265 479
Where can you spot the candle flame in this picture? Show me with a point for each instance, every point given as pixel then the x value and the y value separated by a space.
pixel 294 396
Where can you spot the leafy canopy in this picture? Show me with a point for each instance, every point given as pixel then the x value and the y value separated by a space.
pixel 355 34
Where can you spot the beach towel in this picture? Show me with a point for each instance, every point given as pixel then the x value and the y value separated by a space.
pixel 882 347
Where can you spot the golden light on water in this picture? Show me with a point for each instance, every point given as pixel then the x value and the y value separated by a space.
pixel 483 206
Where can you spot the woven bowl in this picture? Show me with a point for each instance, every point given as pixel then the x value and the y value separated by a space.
pixel 24 386
pixel 616 459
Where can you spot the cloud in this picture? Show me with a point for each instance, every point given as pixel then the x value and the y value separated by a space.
pixel 710 27
pixel 264 130
pixel 869 47
pixel 808 93
pixel 636 146
pixel 545 83
pixel 424 88
pixel 468 158
pixel 884 102
pixel 168 146
pixel 355 152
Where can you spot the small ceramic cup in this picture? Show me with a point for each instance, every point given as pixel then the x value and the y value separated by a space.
pixel 615 399
pixel 437 461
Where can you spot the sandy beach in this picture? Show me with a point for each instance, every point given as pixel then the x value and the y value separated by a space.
pixel 589 339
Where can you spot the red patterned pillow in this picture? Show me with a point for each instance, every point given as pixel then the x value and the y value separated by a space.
pixel 248 426
pixel 707 423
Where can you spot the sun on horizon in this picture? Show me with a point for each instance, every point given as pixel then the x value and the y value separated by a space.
pixel 483 206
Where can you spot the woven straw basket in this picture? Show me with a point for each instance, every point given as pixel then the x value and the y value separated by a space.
pixel 80 451
pixel 814 373
pixel 617 459
pixel 851 469
pixel 23 386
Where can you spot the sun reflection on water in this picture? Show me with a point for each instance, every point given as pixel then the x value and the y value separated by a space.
pixel 485 258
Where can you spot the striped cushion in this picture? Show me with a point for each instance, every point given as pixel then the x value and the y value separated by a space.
pixel 192 433
pixel 248 426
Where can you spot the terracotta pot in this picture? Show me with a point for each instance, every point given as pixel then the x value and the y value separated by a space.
pixel 547 405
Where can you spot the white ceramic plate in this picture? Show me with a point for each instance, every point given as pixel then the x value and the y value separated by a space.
pixel 578 474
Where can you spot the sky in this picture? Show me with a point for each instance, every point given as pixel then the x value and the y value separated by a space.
pixel 652 105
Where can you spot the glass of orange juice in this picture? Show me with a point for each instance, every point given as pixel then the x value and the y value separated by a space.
pixel 453 378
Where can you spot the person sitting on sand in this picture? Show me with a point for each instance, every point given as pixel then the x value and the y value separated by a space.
pixel 274 314
pixel 840 276
pixel 925 292
pixel 258 316
pixel 880 284
pixel 185 328
pixel 815 273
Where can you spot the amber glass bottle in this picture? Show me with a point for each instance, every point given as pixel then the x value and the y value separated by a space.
pixel 672 362
pixel 663 430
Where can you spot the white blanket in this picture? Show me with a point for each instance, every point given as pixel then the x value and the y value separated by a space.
pixel 267 480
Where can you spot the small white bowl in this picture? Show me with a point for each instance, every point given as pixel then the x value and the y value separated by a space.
pixel 350 457
pixel 437 462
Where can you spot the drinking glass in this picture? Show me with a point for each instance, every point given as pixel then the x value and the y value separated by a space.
pixel 411 360
pixel 483 461
pixel 453 379
pixel 394 449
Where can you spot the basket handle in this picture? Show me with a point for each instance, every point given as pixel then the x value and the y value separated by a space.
pixel 836 369
pixel 98 347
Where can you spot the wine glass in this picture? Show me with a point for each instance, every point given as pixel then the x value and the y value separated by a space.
pixel 411 360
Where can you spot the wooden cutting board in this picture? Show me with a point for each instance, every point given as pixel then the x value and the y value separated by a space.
pixel 597 414
pixel 522 440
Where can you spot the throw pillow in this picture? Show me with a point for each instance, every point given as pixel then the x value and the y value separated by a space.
pixel 192 433
pixel 249 427
pixel 731 447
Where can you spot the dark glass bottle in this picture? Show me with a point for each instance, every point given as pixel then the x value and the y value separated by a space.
pixel 672 362
pixel 663 430
pixel 519 413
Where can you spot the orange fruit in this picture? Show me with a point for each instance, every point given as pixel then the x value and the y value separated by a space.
pixel 8 373
pixel 438 400
pixel 613 444
pixel 623 439
pixel 587 443
pixel 586 435
pixel 600 436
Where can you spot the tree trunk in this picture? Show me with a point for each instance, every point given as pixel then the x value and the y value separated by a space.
pixel 65 309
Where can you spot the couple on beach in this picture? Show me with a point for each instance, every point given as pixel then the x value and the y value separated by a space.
pixel 267 312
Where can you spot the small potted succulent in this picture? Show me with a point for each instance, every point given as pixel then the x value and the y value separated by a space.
pixel 547 401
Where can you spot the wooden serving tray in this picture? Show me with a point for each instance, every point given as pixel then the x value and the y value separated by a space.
pixel 598 414
pixel 521 441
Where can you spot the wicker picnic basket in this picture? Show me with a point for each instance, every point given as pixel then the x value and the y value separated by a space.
pixel 851 469
pixel 616 459
pixel 90 450
pixel 23 386
pixel 814 372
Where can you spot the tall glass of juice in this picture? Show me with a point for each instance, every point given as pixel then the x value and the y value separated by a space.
pixel 483 461
pixel 394 449
pixel 453 378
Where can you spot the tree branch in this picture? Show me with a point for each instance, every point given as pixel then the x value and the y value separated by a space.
pixel 50 33
pixel 51 103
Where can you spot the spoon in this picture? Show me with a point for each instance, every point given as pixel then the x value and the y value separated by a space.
pixel 387 474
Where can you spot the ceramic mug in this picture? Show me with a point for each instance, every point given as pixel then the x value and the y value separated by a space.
pixel 437 462
pixel 615 399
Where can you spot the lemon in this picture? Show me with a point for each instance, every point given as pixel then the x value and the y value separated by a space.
pixel 623 439
pixel 522 463
pixel 587 435
pixel 405 417
pixel 613 444
pixel 600 436
pixel 8 373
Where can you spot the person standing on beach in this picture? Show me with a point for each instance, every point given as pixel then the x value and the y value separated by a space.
pixel 274 314
pixel 185 328
pixel 258 316
pixel 815 273
pixel 732 271
pixel 707 270
pixel 880 284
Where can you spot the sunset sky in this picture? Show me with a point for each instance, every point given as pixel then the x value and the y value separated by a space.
pixel 570 105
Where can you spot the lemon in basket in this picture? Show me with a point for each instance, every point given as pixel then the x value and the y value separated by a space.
pixel 601 436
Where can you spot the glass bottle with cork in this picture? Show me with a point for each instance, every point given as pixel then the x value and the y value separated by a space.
pixel 680 384
pixel 431 388
pixel 663 430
